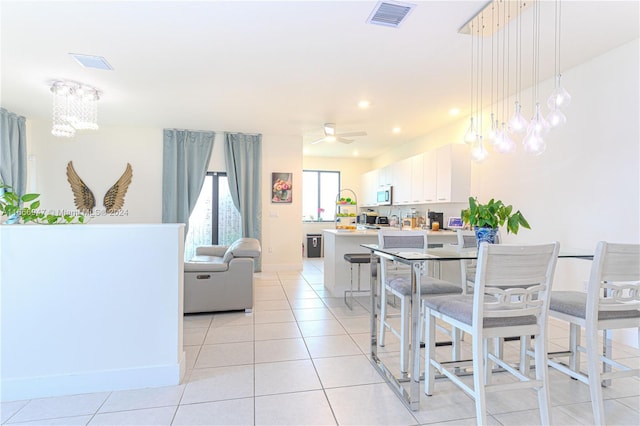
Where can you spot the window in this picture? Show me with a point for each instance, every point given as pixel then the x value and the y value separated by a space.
pixel 214 220
pixel 319 195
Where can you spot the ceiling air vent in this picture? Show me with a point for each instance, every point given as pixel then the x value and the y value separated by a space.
pixel 390 13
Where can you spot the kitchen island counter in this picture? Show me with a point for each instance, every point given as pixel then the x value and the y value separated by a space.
pixel 338 242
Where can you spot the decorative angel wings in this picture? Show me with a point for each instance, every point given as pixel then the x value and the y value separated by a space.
pixel 84 198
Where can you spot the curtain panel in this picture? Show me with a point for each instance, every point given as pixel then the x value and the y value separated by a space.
pixel 243 160
pixel 185 159
pixel 13 151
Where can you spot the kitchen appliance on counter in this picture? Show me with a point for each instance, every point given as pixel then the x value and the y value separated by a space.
pixel 383 197
pixel 436 217
pixel 368 218
pixel 382 221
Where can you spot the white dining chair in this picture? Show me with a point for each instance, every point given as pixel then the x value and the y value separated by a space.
pixel 396 279
pixel 612 301
pixel 510 298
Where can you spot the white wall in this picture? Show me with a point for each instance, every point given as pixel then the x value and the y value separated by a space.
pixel 90 308
pixel 99 157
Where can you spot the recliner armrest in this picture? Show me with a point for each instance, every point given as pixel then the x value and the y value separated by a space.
pixel 213 250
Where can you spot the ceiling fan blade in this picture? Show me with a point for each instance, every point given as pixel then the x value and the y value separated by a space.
pixel 343 140
pixel 318 140
pixel 351 134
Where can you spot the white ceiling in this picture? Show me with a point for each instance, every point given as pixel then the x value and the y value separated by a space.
pixel 277 68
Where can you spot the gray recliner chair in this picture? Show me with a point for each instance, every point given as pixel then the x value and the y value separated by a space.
pixel 220 278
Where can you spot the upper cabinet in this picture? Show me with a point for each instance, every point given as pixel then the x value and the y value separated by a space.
pixel 385 175
pixel 369 188
pixel 417 178
pixel 442 175
pixel 429 177
pixel 453 180
pixel 402 180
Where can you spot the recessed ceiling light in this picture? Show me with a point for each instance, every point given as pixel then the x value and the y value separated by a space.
pixel 90 61
pixel 454 111
pixel 356 153
pixel 397 130
pixel 364 104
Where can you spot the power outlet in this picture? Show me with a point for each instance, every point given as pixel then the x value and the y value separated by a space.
pixel 270 249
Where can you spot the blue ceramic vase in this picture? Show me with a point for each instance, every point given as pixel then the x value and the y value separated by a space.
pixel 486 234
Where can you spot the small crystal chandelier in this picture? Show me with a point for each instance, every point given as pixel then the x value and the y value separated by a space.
pixel 75 107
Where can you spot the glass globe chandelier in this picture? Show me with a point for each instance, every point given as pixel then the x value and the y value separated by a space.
pixel 75 107
pixel 506 80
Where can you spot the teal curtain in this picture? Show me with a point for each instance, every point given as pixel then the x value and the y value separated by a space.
pixel 243 160
pixel 185 159
pixel 13 151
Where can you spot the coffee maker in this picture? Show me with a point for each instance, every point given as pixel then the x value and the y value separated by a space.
pixel 436 217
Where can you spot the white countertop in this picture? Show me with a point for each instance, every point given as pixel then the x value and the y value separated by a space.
pixel 374 232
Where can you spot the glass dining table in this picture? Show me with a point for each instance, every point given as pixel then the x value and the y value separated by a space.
pixel 419 260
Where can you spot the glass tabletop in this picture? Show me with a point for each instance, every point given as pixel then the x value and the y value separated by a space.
pixel 451 252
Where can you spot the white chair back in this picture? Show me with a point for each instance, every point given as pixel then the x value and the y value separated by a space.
pixel 517 277
pixel 614 283
pixel 391 239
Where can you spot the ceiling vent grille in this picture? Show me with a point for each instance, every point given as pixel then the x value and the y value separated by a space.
pixel 390 13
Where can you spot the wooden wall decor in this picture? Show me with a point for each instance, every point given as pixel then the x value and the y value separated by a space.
pixel 85 200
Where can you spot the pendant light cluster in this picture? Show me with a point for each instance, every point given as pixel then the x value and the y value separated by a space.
pixel 507 126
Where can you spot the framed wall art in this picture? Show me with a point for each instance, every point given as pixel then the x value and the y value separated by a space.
pixel 281 187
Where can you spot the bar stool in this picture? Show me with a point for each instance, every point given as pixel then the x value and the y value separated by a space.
pixel 356 259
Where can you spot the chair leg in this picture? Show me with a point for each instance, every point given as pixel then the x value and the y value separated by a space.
pixel 525 365
pixel 456 336
pixel 542 374
pixel 593 369
pixel 405 320
pixel 429 352
pixel 488 364
pixel 574 342
pixel 383 314
pixel 478 348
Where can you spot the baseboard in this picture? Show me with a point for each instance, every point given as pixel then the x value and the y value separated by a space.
pixel 92 381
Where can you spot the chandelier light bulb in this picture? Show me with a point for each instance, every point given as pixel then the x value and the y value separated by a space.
pixel 534 144
pixel 518 123
pixel 470 135
pixel 538 123
pixel 493 131
pixel 478 151
pixel 559 98
pixel 504 144
pixel 556 118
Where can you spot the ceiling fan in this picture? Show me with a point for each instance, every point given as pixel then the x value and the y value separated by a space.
pixel 330 135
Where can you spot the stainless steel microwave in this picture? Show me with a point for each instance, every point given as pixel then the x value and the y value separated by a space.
pixel 384 195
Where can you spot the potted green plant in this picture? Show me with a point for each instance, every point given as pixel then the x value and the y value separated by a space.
pixel 14 208
pixel 487 218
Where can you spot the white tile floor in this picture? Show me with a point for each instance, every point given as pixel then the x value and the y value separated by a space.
pixel 301 358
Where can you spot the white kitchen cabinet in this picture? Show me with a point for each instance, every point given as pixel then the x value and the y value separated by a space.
pixel 402 182
pixel 453 180
pixel 417 178
pixel 429 177
pixel 385 175
pixel 369 187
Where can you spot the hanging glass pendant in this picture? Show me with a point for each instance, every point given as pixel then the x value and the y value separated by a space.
pixel 470 136
pixel 533 143
pixel 559 98
pixel 478 151
pixel 556 118
pixel 493 131
pixel 538 123
pixel 504 144
pixel 518 123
